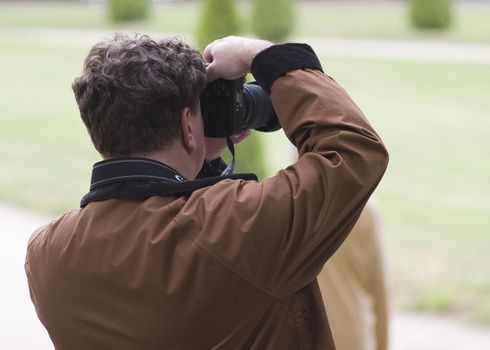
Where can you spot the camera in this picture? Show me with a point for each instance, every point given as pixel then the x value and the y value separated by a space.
pixel 229 106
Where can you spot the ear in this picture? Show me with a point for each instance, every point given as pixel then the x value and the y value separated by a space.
pixel 187 133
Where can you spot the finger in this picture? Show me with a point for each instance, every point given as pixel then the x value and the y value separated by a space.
pixel 207 55
pixel 209 49
pixel 211 73
pixel 239 138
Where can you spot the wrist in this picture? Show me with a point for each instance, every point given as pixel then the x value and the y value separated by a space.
pixel 254 47
pixel 270 64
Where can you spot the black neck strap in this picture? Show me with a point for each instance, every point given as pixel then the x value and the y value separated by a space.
pixel 137 178
pixel 132 169
pixel 230 167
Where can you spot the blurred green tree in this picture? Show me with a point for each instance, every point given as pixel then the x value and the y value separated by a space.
pixel 128 10
pixel 431 14
pixel 218 19
pixel 273 19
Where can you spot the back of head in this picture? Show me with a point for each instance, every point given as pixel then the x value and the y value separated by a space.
pixel 132 90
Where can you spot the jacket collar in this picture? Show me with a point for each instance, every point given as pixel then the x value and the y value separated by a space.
pixel 132 169
pixel 140 178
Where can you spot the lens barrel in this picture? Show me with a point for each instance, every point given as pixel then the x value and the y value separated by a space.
pixel 258 111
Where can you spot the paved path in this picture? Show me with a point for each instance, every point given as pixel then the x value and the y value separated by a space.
pixel 430 332
pixel 427 51
pixel 20 329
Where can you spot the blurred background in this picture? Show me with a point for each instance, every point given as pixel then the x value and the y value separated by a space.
pixel 420 71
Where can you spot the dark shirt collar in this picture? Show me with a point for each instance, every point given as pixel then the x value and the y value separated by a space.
pixel 132 169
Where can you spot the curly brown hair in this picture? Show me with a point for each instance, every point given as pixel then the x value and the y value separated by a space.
pixel 133 89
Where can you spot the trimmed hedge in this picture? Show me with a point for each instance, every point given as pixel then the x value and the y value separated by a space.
pixel 128 10
pixel 218 19
pixel 431 14
pixel 273 19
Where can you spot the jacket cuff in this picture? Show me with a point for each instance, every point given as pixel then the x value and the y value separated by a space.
pixel 277 60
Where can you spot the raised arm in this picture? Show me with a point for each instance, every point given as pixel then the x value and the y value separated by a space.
pixel 279 233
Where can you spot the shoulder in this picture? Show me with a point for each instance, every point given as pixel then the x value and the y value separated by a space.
pixel 42 232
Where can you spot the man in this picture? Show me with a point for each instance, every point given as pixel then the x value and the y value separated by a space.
pixel 354 288
pixel 157 259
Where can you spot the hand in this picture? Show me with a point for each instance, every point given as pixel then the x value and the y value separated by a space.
pixel 216 146
pixel 231 57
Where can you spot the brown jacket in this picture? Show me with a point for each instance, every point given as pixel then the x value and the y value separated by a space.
pixel 230 266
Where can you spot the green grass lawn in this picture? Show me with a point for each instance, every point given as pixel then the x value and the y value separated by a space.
pixel 345 19
pixel 435 121
pixel 388 20
pixel 434 118
pixel 46 151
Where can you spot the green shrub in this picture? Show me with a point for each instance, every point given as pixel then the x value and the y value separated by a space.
pixel 218 19
pixel 128 10
pixel 430 14
pixel 272 19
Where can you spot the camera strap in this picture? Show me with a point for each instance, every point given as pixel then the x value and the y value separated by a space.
pixel 139 178
pixel 230 167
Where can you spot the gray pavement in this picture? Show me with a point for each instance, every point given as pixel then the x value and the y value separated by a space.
pixel 19 326
pixel 21 330
pixel 406 50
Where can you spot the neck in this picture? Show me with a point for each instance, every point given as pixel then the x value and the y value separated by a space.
pixel 176 160
pixel 175 157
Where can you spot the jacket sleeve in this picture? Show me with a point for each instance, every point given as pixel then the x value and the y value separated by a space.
pixel 279 233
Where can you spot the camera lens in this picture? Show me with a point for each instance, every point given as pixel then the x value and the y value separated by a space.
pixel 258 112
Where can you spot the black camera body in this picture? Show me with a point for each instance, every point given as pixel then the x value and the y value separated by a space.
pixel 229 106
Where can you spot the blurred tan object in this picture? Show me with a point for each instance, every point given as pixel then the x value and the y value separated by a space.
pixel 354 288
